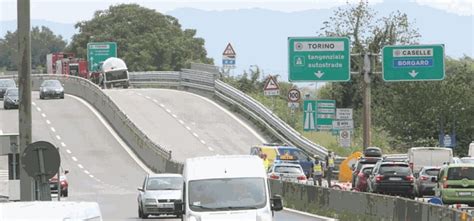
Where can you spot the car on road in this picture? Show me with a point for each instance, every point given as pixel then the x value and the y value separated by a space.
pixel 63 184
pixel 424 181
pixel 361 162
pixel 158 194
pixel 287 172
pixel 393 178
pixel 361 179
pixel 10 99
pixel 457 160
pixel 5 84
pixel 455 184
pixel 51 89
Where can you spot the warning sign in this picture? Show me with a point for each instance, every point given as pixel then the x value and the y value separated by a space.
pixel 229 51
pixel 271 87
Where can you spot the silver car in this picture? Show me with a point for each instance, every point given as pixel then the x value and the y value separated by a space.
pixel 158 194
pixel 424 181
pixel 287 172
pixel 10 99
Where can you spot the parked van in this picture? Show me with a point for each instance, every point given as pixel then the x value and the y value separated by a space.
pixel 50 211
pixel 419 157
pixel 471 149
pixel 227 188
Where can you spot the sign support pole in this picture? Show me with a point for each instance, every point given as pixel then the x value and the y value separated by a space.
pixel 366 102
pixel 24 83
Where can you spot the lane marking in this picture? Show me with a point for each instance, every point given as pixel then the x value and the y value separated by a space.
pixel 80 166
pixel 58 137
pixel 52 129
pixel 63 144
pixel 309 214
pixel 114 134
pixel 168 110
pixel 38 108
pixel 162 105
pixel 48 122
pixel 86 172
pixel 43 115
pixel 181 121
pixel 68 151
pixel 188 128
pixel 174 115
pixel 139 94
pixel 33 103
pixel 203 142
pixel 195 134
pixel 91 176
pixel 1 131
pixel 147 97
pixel 210 148
pixel 74 158
pixel 154 100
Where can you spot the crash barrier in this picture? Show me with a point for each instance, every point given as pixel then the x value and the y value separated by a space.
pixel 157 158
pixel 347 205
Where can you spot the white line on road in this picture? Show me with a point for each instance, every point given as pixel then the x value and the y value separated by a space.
pixel 188 128
pixel 63 144
pixel 195 134
pixel 147 97
pixel 48 122
pixel 210 148
pixel 52 129
pixel 38 109
pixel 43 115
pixel 1 131
pixel 162 105
pixel 174 115
pixel 181 121
pixel 34 104
pixel 68 151
pixel 203 142
pixel 74 158
pixel 58 137
pixel 139 94
pixel 168 110
pixel 310 215
pixel 154 100
pixel 86 172
pixel 80 166
pixel 91 176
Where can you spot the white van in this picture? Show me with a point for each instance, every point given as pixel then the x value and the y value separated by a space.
pixel 232 188
pixel 471 149
pixel 50 211
pixel 419 157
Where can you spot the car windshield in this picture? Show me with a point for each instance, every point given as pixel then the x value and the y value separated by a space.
pixel 467 160
pixel 288 169
pixel 432 172
pixel 164 183
pixel 227 194
pixel 7 83
pixel 12 92
pixel 51 84
pixel 459 173
pixel 398 169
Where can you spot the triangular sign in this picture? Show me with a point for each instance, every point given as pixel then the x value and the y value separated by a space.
pixel 229 51
pixel 271 84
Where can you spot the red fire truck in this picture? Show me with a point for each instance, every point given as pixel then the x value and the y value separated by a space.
pixel 66 64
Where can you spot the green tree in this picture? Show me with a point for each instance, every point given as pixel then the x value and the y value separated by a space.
pixel 43 42
pixel 146 39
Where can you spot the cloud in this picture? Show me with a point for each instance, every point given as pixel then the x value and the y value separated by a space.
pixel 460 7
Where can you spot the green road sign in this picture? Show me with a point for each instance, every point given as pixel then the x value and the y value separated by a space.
pixel 98 52
pixel 318 59
pixel 309 116
pixel 413 63
pixel 325 113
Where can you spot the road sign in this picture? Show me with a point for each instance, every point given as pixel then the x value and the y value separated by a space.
pixel 325 113
pixel 30 159
pixel 413 63
pixel 343 124
pixel 447 141
pixel 271 87
pixel 229 51
pixel 344 113
pixel 293 105
pixel 294 95
pixel 318 59
pixel 345 138
pixel 98 52
pixel 228 57
pixel 309 116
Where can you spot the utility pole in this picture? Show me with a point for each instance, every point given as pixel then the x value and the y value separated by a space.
pixel 366 102
pixel 24 82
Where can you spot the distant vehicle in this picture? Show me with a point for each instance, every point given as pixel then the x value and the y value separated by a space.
pixel 361 162
pixel 419 157
pixel 10 99
pixel 372 152
pixel 5 84
pixel 285 154
pixel 456 160
pixel 50 210
pixel 287 172
pixel 361 179
pixel 424 181
pixel 63 182
pixel 455 184
pixel 51 88
pixel 115 73
pixel 471 149
pixel 467 160
pixel 158 195
pixel 227 188
pixel 393 178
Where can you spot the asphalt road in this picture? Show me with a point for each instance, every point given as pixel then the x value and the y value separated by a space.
pixel 100 169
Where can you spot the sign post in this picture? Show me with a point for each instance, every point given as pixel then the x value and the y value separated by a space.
pixel 318 59
pixel 98 52
pixel 413 63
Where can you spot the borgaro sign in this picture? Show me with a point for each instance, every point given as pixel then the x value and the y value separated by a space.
pixel 413 63
pixel 318 59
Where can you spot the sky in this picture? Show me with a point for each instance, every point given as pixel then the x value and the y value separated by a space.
pixel 71 11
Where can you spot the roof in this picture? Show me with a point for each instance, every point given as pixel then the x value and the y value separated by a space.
pixel 164 175
pixel 228 166
pixel 287 164
pixel 429 148
pixel 460 165
pixel 113 63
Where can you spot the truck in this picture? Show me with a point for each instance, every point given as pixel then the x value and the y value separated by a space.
pixel 419 157
pixel 115 73
pixel 471 149
pixel 66 64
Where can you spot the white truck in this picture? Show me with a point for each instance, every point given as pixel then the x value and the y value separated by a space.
pixel 115 73
pixel 471 149
pixel 227 188
pixel 419 157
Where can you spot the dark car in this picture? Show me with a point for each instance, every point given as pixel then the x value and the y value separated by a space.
pixel 5 84
pixel 425 183
pixel 361 179
pixel 10 99
pixel 51 89
pixel 361 162
pixel 393 178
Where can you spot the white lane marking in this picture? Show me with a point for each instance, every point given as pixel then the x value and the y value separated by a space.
pixel 38 109
pixel 48 122
pixel 188 128
pixel 80 166
pixel 114 134
pixel 181 121
pixel 174 115
pixel 68 151
pixel 139 94
pixel 91 176
pixel 162 105
pixel 154 100
pixel 203 142
pixel 195 134
pixel 33 103
pixel 250 129
pixel 63 144
pixel 74 158
pixel 309 214
pixel 58 137
pixel 86 172
pixel 168 110
pixel 147 97
pixel 210 148
pixel 43 115
pixel 52 129
pixel 1 131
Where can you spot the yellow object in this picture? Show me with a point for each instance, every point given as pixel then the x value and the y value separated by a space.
pixel 345 169
pixel 464 216
pixel 317 168
pixel 266 164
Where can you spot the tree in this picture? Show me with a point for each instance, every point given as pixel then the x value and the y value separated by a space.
pixel 147 40
pixel 43 42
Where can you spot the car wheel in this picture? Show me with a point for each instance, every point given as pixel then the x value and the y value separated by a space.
pixel 64 193
pixel 5 106
pixel 41 97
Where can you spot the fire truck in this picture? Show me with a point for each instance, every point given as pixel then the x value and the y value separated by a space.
pixel 66 64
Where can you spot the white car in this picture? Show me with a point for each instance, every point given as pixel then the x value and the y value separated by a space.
pixel 158 195
pixel 287 172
